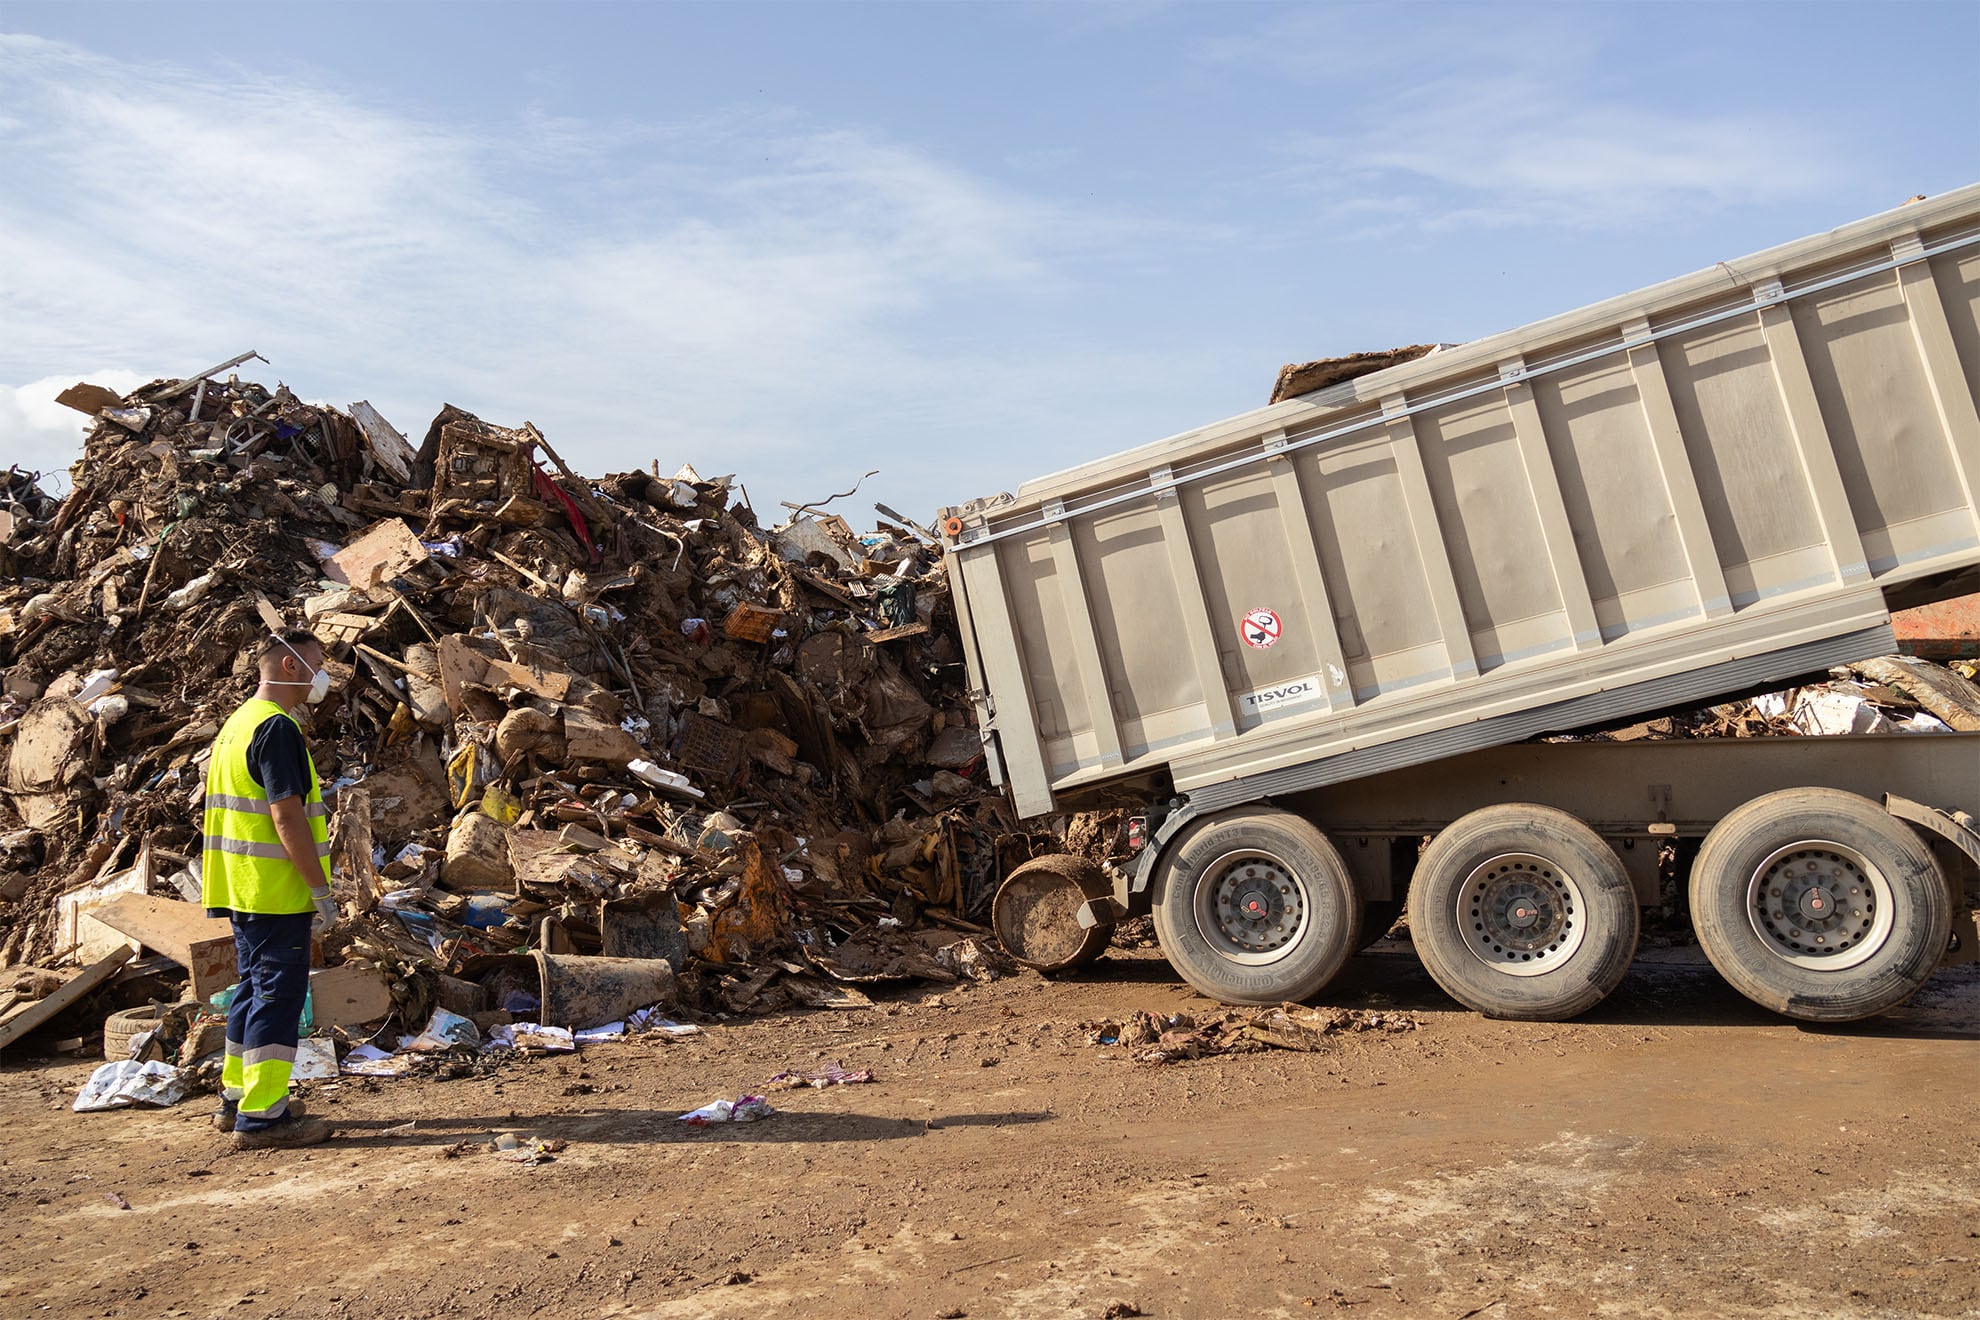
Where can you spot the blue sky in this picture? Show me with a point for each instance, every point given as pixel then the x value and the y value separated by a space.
pixel 966 244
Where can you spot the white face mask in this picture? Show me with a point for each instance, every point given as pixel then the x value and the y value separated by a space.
pixel 319 681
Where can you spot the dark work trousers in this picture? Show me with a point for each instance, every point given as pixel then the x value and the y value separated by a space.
pixel 272 953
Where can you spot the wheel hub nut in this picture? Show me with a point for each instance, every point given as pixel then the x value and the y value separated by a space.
pixel 1817 903
pixel 1523 916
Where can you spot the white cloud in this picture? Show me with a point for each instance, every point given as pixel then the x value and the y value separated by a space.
pixel 734 290
pixel 44 436
pixel 1515 150
pixel 1474 115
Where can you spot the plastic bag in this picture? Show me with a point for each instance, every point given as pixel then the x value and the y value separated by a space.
pixel 443 1032
pixel 127 1082
pixel 744 1109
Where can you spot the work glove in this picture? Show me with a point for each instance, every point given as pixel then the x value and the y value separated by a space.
pixel 326 913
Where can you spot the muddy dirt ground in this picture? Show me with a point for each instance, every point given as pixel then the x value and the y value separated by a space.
pixel 1676 1153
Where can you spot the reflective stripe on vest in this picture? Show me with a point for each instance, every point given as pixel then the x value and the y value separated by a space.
pixel 244 866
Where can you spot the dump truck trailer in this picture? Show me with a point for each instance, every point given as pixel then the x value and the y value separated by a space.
pixel 1308 638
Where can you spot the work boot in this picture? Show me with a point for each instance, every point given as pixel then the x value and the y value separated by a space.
pixel 229 1110
pixel 288 1132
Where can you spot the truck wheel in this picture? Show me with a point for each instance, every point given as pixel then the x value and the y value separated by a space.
pixel 1521 911
pixel 1819 905
pixel 1255 907
pixel 1377 915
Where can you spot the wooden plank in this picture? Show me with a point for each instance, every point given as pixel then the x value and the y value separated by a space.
pixel 338 627
pixel 879 635
pixel 351 846
pixel 1944 693
pixel 1653 392
pixel 387 550
pixel 829 590
pixel 44 1010
pixel 1429 534
pixel 203 945
pixel 348 996
pixel 1570 581
pixel 548 683
pixel 76 925
pixel 674 847
pixel 462 666
pixel 392 450
pixel 588 738
pixel 87 398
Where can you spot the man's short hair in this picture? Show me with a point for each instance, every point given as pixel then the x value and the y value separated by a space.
pixel 278 644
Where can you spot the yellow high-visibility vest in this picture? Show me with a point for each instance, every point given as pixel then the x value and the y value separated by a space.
pixel 244 866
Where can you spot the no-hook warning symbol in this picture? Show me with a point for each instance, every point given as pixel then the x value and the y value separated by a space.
pixel 1260 628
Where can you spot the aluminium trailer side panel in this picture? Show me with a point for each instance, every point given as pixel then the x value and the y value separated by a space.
pixel 1709 481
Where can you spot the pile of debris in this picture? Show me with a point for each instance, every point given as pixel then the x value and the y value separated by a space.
pixel 1890 694
pixel 1176 1037
pixel 618 718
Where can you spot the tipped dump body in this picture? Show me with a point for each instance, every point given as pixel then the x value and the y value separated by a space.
pixel 1690 490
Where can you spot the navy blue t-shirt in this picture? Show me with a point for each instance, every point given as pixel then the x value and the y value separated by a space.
pixel 278 759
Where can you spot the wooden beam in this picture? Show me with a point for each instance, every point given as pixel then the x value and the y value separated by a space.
pixel 203 945
pixel 43 1010
pixel 348 996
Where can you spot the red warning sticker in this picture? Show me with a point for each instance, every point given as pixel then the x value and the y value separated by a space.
pixel 1260 629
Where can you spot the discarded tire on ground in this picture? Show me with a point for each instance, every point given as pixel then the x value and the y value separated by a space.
pixel 125 1026
pixel 1255 906
pixel 1036 913
pixel 1819 905
pixel 1521 911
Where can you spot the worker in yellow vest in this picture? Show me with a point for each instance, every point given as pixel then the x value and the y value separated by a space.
pixel 265 867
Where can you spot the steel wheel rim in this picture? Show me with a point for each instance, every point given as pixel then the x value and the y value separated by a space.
pixel 1821 905
pixel 1521 914
pixel 1251 907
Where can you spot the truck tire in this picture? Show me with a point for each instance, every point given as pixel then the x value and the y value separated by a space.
pixel 1521 911
pixel 1377 916
pixel 125 1026
pixel 1255 906
pixel 1819 905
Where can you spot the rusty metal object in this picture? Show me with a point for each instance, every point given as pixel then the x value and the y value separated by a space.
pixel 1949 630
pixel 583 992
pixel 1036 913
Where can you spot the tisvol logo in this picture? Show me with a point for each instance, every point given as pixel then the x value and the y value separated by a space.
pixel 1285 694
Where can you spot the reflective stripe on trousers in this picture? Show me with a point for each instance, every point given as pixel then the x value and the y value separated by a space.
pixel 272 954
